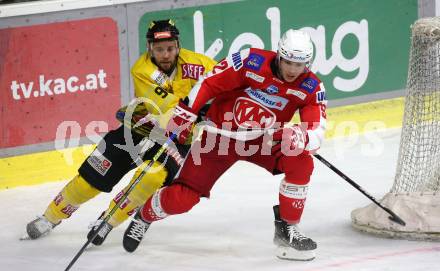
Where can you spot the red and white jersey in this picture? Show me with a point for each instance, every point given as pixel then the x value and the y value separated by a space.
pixel 248 95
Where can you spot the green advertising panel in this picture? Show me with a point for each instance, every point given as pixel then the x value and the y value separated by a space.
pixel 361 47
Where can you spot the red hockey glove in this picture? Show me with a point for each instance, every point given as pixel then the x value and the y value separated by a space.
pixel 181 122
pixel 291 140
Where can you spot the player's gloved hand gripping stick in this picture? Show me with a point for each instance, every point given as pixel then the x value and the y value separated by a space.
pixel 182 121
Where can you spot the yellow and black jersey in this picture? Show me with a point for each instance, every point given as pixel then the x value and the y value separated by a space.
pixel 162 91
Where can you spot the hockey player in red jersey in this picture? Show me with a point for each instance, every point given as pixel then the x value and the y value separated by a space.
pixel 255 94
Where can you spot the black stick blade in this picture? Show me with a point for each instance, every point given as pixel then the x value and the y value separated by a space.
pixel 397 220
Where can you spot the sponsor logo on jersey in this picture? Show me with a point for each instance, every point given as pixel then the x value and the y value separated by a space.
pixel 293 57
pixel 272 89
pixel 320 96
pixel 186 115
pixel 156 210
pixel 236 61
pixel 254 61
pixel 278 80
pixel 118 198
pixel 192 71
pixel 99 162
pixel 293 191
pixel 298 203
pixel 255 76
pixel 159 77
pixel 69 209
pixel 296 93
pixel 58 199
pixel 266 99
pixel 249 114
pixel 309 84
pixel 124 204
pixel 129 213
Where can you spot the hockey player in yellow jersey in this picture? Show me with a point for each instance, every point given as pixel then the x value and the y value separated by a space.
pixel 162 75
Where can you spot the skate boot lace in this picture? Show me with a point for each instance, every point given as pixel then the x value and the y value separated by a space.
pixel 294 233
pixel 138 229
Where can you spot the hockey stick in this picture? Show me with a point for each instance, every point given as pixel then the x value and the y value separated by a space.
pixel 124 196
pixel 395 218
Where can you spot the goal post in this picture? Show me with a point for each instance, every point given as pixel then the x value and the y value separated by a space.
pixel 415 194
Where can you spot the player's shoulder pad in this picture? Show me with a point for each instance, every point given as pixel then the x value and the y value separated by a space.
pixel 141 62
pixel 257 58
pixel 236 59
pixel 310 83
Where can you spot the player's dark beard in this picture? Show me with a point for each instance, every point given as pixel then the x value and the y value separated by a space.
pixel 167 71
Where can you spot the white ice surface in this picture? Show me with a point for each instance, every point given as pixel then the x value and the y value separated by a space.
pixel 233 230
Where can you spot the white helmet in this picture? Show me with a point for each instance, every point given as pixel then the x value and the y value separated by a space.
pixel 296 46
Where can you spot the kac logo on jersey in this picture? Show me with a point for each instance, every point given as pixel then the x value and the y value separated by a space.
pixel 266 99
pixel 236 61
pixel 309 84
pixel 254 61
pixel 272 89
pixel 249 114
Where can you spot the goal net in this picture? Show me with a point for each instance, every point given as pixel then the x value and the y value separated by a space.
pixel 415 194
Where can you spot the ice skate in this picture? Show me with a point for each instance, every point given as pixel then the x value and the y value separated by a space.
pixel 292 244
pixel 134 233
pixel 103 232
pixel 38 228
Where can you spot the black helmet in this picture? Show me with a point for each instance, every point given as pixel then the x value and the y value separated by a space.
pixel 162 30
